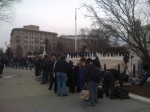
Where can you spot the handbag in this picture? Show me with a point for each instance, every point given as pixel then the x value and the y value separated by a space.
pixel 85 95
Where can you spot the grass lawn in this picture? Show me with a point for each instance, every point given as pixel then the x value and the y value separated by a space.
pixel 139 90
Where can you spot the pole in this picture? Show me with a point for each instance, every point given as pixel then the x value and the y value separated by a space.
pixel 75 29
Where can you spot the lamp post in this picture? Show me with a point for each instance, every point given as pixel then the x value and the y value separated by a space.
pixel 75 29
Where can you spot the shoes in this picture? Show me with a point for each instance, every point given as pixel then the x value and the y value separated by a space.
pixel 89 104
pixel 58 94
pixel 49 88
pixel 43 83
pixel 107 95
pixel 113 97
pixel 65 95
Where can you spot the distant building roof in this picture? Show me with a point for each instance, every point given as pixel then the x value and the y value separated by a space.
pixel 32 28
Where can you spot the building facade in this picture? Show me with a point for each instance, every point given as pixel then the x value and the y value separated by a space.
pixel 30 40
pixel 68 42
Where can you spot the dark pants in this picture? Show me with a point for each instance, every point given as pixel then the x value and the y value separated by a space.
pixel 51 82
pixel 73 85
pixel 55 84
pixel 109 84
pixel 1 70
pixel 45 77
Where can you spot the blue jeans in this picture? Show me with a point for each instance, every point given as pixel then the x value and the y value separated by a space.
pixel 92 86
pixel 61 83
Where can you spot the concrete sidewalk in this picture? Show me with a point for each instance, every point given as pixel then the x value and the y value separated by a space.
pixel 20 91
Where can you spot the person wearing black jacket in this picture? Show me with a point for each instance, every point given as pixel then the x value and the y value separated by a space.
pixel 53 79
pixel 69 75
pixel 61 69
pixel 92 83
pixel 110 76
pixel 1 66
pixel 45 70
pixel 74 86
pixel 37 65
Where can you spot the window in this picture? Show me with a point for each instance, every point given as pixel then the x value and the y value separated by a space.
pixel 17 36
pixel 25 41
pixel 17 41
pixel 25 46
pixel 26 37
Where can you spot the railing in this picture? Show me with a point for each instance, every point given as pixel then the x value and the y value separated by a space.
pixel 93 55
pixel 110 60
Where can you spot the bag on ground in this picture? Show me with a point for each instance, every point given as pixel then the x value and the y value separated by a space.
pixel 85 95
pixel 121 93
pixel 100 92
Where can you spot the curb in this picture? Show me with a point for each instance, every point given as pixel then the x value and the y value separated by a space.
pixel 139 98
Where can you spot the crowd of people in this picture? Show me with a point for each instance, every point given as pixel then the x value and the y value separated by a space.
pixel 20 62
pixel 61 75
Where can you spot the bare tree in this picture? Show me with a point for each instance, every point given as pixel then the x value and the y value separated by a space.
pixel 9 52
pixel 1 52
pixel 127 19
pixel 97 39
pixel 59 47
pixel 6 10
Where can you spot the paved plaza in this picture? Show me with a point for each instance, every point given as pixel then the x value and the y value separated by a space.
pixel 21 91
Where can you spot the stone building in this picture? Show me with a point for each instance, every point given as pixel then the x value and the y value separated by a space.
pixel 29 40
pixel 68 43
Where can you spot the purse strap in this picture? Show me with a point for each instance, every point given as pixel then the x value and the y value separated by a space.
pixel 85 86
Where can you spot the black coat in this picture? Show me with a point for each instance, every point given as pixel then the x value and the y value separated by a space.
pixel 116 76
pixel 61 66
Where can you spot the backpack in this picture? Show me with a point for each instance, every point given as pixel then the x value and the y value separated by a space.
pixel 121 93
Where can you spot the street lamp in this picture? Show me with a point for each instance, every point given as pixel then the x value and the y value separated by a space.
pixel 75 29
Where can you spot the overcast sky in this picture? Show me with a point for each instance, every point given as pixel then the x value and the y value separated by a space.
pixel 51 15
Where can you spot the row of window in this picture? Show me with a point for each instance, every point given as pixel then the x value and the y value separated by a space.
pixel 38 33
pixel 35 33
pixel 26 37
pixel 33 47
pixel 37 38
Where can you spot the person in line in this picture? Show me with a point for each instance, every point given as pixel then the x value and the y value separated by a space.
pixel 81 79
pixel 1 66
pixel 52 73
pixel 61 69
pixel 74 79
pixel 37 64
pixel 91 81
pixel 45 69
pixel 69 75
